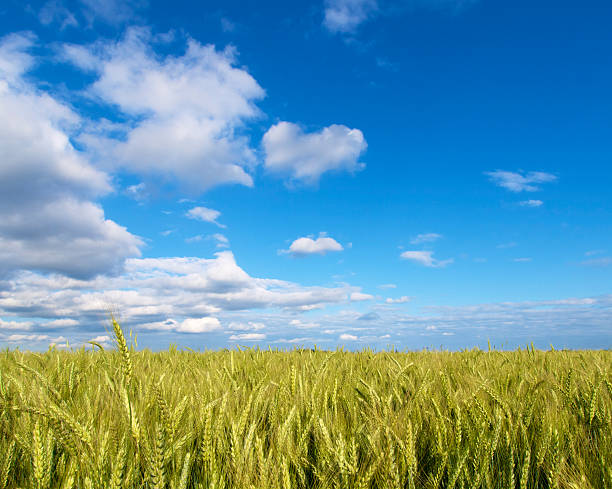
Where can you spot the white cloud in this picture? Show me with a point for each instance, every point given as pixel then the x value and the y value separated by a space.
pixel 248 337
pixel 222 241
pixel 594 252
pixel 531 203
pixel 425 258
pixel 185 113
pixel 204 214
pixel 199 325
pixel 344 16
pixel 308 246
pixel 425 238
pixel 112 12
pixel 54 11
pixel 360 296
pixel 163 294
pixel 14 57
pixel 227 25
pixel 249 326
pixel 348 337
pixel 520 181
pixel 604 261
pixel 101 339
pixel 15 325
pixel 61 323
pixel 48 220
pixel 519 260
pixel 194 239
pixel 137 192
pixel 304 157
pixel 387 286
pixel 298 323
pixel 29 337
pixel 400 300
pixel 189 325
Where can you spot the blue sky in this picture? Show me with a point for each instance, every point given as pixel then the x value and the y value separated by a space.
pixel 359 173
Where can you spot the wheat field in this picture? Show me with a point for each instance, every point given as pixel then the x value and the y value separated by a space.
pixel 252 418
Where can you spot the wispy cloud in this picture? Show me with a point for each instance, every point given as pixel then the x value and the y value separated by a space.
pixel 425 238
pixel 194 239
pixel 400 300
pixel 604 261
pixel 520 181
pixel 248 337
pixel 425 258
pixel 344 16
pixel 594 252
pixel 220 239
pixel 205 214
pixel 531 203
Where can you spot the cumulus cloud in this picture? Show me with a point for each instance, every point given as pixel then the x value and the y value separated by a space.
pixel 48 218
pixel 18 325
pixel 101 339
pixel 182 295
pixel 204 214
pixel 425 258
pixel 185 114
pixel 189 325
pixel 531 203
pixel 308 246
pixel 304 157
pixel 344 16
pixel 425 238
pixel 520 181
pixel 347 337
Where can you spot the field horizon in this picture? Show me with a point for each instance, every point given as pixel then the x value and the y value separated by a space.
pixel 305 419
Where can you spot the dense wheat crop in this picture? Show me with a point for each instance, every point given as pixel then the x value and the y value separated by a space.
pixel 304 418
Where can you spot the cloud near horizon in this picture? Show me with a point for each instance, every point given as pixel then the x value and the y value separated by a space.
pixel 182 295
